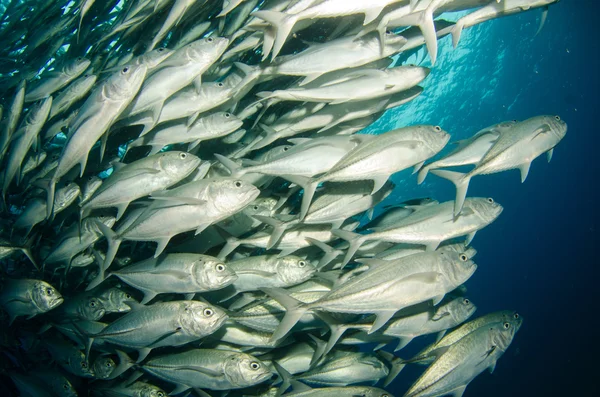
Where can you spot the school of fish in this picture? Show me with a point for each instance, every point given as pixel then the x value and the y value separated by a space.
pixel 188 200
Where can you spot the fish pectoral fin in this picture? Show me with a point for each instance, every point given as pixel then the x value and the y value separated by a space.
pixel 382 318
pixel 492 367
pixel 378 182
pixel 179 389
pixel 549 154
pixel 469 238
pixel 161 244
pixel 180 200
pixel 524 168
pixel 437 299
pixel 438 316
pixel 143 353
pixel 458 392
pixel 260 273
pixel 200 369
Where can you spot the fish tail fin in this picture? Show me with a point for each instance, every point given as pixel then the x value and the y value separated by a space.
pixel 279 228
pixel 49 185
pixel 542 20
pixel 231 243
pixel 354 239
pixel 283 24
pixel 461 181
pixel 320 347
pixel 26 249
pixel 309 185
pixel 427 27
pixel 329 252
pixel 125 362
pixel 456 32
pixel 111 252
pixel 294 311
pixel 234 169
pixel 396 366
pixel 286 379
pixel 337 330
pixel 422 174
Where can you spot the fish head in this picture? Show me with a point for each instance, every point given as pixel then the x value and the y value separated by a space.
pixel 178 164
pixel 91 308
pixel 401 74
pixel 368 391
pixel 261 206
pixel 558 127
pixel 201 318
pixel 208 48
pixel 230 194
pixel 153 58
pixel 45 297
pixel 79 365
pixel 66 195
pixel 502 333
pixel 114 300
pixel 485 208
pixel 103 367
pixel 294 270
pixel 89 188
pixel 148 390
pixel 123 84
pixel 457 267
pixel 433 137
pixel 64 388
pixel 76 66
pixel 461 309
pixel 245 370
pixel 224 121
pixel 39 112
pixel 212 273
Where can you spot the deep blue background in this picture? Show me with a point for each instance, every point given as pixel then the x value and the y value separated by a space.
pixel 540 256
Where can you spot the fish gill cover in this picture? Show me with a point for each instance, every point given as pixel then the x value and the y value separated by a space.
pixel 217 195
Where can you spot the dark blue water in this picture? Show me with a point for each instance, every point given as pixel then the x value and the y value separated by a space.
pixel 540 256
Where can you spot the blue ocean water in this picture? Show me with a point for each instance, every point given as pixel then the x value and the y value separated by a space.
pixel 539 257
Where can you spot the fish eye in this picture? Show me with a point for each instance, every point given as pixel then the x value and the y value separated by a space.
pixel 506 325
pixel 108 364
pixel 254 365
pixel 49 291
pixel 127 296
pixel 160 49
pixel 210 39
pixel 286 148
pixel 79 59
pixel 83 364
pixel 238 184
pixel 437 128
pixel 91 178
pixel 557 118
pixel 385 395
pixel 490 200
pixel 388 32
pixel 227 115
pixel 160 394
pixel 301 264
pixel 220 267
pixel 516 316
pixel 220 84
pixel 183 156
pixel 255 208
pixel 66 387
pixel 208 312
pixel 463 257
pixel 466 301
pixel 125 70
pixel 92 304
